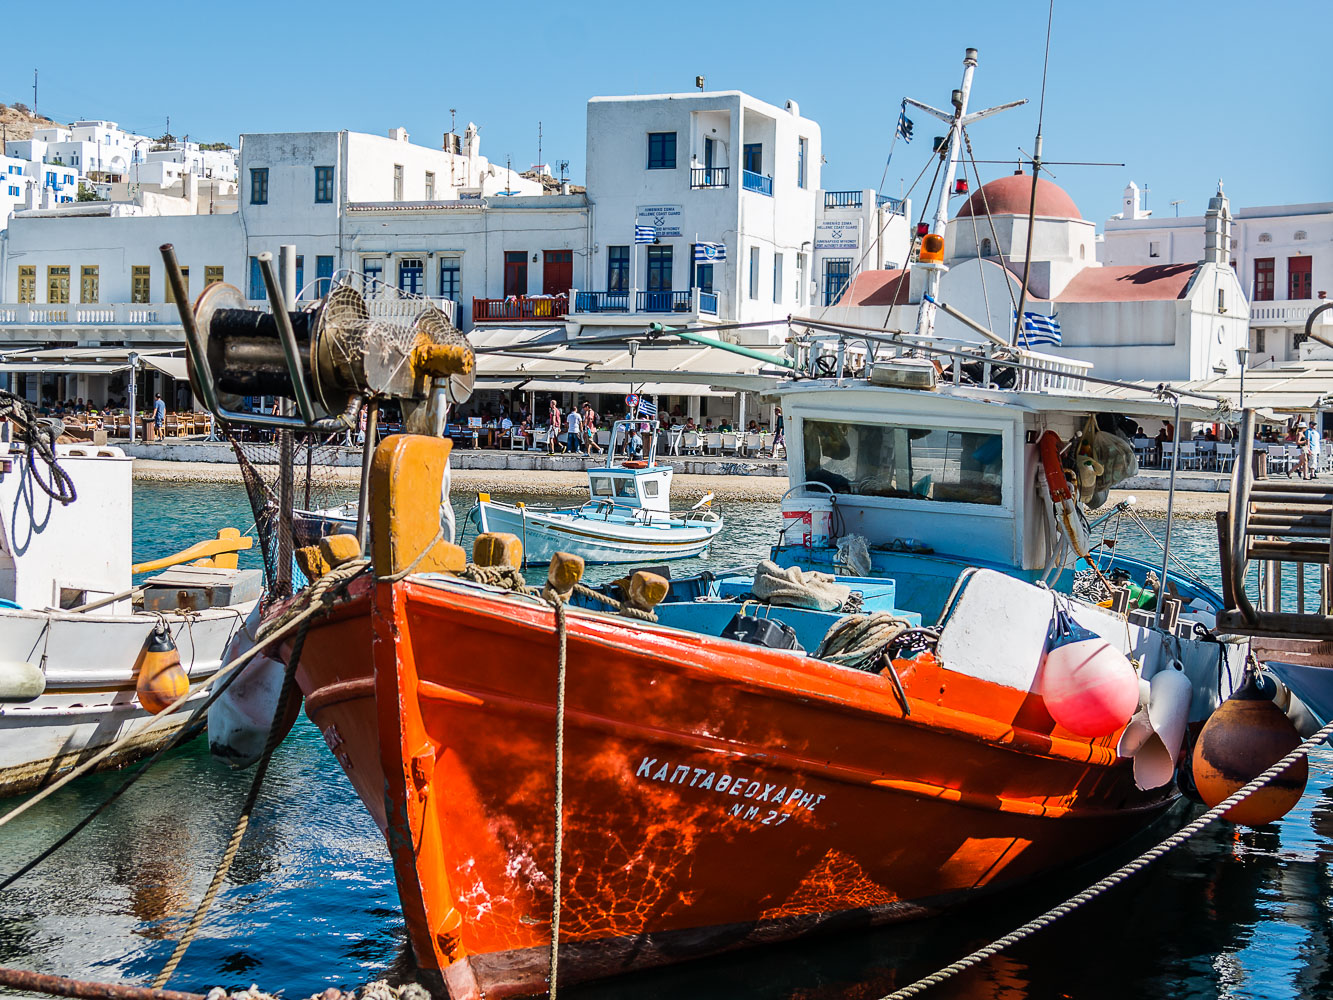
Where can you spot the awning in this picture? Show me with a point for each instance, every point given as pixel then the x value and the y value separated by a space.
pixel 174 367
pixel 1284 387
pixel 624 388
pixel 60 368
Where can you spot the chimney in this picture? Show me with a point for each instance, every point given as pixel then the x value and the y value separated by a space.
pixel 190 190
pixel 398 134
pixel 1217 229
pixel 564 187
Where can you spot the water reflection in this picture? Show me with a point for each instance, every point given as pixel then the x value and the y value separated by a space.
pixel 310 902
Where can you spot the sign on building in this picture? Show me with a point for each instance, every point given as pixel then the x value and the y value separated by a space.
pixel 844 235
pixel 666 219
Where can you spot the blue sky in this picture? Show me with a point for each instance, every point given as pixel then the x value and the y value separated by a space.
pixel 1182 92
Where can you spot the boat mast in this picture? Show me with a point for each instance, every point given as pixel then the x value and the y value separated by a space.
pixel 925 316
pixel 957 120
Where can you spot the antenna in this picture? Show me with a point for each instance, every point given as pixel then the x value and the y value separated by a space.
pixel 1036 173
pixel 1176 206
pixel 1146 189
pixel 34 93
pixel 699 82
pixel 539 145
pixel 564 169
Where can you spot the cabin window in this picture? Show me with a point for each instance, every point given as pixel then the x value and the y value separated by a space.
pixel 913 463
pixel 601 486
pixel 625 488
pixel 650 487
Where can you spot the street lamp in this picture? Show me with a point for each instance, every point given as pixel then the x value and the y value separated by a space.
pixel 1242 355
pixel 134 371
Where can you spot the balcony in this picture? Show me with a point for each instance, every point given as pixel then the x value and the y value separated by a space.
pixel 758 183
pixel 854 199
pixel 95 314
pixel 710 177
pixel 675 302
pixel 1286 312
pixel 664 302
pixel 601 302
pixel 551 308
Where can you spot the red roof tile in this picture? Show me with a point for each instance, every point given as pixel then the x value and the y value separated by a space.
pixel 1128 283
pixel 876 288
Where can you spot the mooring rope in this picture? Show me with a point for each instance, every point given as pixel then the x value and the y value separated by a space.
pixel 1112 880
pixel 275 736
pixel 562 642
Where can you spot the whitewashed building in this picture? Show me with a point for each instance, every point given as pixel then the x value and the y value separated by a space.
pixel 511 259
pixel 1282 256
pixel 1178 321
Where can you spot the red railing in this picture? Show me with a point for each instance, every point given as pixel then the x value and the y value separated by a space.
pixel 520 307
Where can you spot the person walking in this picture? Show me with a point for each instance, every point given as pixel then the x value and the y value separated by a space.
pixel 159 416
pixel 779 438
pixel 1309 441
pixel 574 440
pixel 553 426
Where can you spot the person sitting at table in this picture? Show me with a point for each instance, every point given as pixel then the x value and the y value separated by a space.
pixel 724 427
pixel 708 426
pixel 689 424
pixel 752 427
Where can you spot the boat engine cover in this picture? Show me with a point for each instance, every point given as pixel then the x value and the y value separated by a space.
pixel 761 632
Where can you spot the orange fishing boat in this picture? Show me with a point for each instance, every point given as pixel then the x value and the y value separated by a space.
pixel 587 782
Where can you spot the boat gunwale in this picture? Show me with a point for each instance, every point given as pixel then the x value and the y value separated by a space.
pixel 801 667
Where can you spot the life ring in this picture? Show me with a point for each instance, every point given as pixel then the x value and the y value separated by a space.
pixel 1048 446
pixel 634 465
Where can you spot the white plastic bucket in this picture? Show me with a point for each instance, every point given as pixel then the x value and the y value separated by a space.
pixel 807 520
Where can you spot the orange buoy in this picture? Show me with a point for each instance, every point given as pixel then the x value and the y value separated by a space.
pixel 1089 686
pixel 160 677
pixel 1245 736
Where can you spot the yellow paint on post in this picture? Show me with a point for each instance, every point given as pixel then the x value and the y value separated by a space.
pixel 647 590
pixel 338 549
pixel 565 571
pixel 312 562
pixel 497 548
pixel 406 475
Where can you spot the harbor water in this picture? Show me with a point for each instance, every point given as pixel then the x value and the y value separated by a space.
pixel 310 901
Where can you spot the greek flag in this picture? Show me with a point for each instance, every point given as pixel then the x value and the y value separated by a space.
pixel 645 234
pixel 647 408
pixel 1040 330
pixel 904 130
pixel 707 253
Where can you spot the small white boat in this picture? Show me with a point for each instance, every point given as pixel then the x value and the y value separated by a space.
pixel 74 629
pixel 626 519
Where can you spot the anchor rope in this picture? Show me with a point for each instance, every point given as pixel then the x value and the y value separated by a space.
pixel 275 736
pixel 1115 878
pixel 562 643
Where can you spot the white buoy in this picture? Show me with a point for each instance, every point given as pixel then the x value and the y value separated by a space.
pixel 240 719
pixel 20 681
pixel 1153 737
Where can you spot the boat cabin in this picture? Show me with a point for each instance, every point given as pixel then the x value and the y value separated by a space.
pixel 54 556
pixel 631 476
pixel 952 471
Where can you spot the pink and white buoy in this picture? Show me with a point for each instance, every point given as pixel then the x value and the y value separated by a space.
pixel 1090 687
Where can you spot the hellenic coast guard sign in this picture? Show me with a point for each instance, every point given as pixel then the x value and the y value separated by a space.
pixel 664 218
pixel 838 235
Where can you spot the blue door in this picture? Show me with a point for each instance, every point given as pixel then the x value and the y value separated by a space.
pixel 256 280
pixel 323 275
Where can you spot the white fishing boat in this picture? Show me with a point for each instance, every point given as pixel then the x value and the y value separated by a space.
pixel 84 653
pixel 626 519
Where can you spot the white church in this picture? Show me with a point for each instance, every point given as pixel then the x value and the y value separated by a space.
pixel 1177 322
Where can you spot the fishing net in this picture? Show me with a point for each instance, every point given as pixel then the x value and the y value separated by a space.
pixel 325 478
